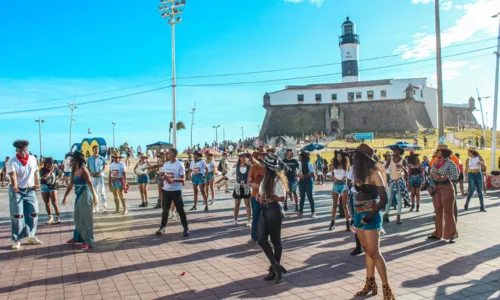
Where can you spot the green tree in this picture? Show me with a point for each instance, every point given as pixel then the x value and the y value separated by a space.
pixel 180 126
pixel 124 147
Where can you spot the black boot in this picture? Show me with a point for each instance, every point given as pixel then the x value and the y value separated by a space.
pixel 278 271
pixel 358 250
pixel 271 276
pixel 418 207
pixel 332 225
pixel 158 205
pixel 347 227
pixel 412 207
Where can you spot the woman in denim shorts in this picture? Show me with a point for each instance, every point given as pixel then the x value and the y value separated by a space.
pixel 340 166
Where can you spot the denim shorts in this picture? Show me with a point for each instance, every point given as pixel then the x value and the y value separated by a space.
pixel 210 176
pixel 376 221
pixel 198 179
pixel 143 179
pixel 46 189
pixel 415 181
pixel 117 184
pixel 339 187
pixel 67 174
pixel 292 185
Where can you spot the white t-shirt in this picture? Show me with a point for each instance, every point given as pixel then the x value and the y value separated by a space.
pixel 211 166
pixel 117 169
pixel 279 188
pixel 339 174
pixel 25 175
pixel 67 165
pixel 175 171
pixel 198 167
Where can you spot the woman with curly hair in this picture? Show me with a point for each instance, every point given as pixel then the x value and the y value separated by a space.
pixel 85 201
pixel 368 204
pixel 416 179
pixel 340 168
pixel 272 190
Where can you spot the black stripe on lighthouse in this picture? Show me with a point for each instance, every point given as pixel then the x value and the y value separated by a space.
pixel 349 68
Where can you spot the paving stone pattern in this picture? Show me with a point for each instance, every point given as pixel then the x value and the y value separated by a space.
pixel 130 262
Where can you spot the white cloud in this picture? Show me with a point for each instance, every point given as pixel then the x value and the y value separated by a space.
pixel 459 6
pixel 447 5
pixel 476 19
pixel 318 3
pixel 475 67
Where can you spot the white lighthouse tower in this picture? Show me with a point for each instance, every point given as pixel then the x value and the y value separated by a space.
pixel 349 51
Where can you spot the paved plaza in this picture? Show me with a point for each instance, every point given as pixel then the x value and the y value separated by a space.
pixel 130 262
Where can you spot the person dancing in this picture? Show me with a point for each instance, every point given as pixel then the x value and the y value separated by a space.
pixel 416 179
pixel 85 201
pixel 340 169
pixel 272 190
pixel 369 202
pixel 117 182
pixel 210 176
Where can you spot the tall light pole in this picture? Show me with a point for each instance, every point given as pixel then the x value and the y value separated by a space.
pixel 193 110
pixel 487 122
pixel 216 135
pixel 481 106
pixel 495 103
pixel 170 9
pixel 40 122
pixel 114 124
pixel 72 107
pixel 242 135
pixel 439 72
pixel 223 134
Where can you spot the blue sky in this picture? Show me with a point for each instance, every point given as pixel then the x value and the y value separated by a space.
pixel 51 50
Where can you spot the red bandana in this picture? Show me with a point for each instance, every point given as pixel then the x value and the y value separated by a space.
pixel 23 160
pixel 440 164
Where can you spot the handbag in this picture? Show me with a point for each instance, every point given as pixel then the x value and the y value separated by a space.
pixel 425 186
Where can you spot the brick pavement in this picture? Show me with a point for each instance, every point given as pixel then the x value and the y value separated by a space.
pixel 130 262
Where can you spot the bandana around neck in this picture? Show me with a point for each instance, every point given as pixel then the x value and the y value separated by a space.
pixel 23 160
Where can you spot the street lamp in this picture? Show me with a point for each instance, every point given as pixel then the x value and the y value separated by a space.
pixel 170 9
pixel 495 103
pixel 242 135
pixel 193 110
pixel 439 72
pixel 40 122
pixel 72 107
pixel 114 124
pixel 216 135
pixel 481 106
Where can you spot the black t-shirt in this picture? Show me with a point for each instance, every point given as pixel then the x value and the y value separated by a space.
pixel 50 180
pixel 292 165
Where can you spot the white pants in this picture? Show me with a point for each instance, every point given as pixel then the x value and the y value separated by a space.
pixel 98 183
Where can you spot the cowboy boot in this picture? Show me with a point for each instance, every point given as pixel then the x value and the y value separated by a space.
pixel 370 286
pixel 388 293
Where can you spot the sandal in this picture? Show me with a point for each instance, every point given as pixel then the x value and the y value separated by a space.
pixel 72 241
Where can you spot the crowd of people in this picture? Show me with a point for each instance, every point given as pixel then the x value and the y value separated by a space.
pixel 365 187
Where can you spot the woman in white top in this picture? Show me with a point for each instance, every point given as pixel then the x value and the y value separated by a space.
pixel 340 168
pixel 141 169
pixel 473 170
pixel 210 176
pixel 272 190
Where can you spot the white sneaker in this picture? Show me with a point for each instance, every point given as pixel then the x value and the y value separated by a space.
pixel 16 245
pixel 105 206
pixel 313 215
pixel 249 224
pixel 382 231
pixel 235 223
pixel 57 220
pixel 33 241
pixel 171 215
pixel 125 212
pixel 96 209
pixel 51 220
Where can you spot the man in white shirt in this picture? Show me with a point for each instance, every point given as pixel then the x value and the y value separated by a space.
pixel 173 177
pixel 97 166
pixel 23 203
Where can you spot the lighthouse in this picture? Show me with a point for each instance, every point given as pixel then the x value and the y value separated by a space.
pixel 349 51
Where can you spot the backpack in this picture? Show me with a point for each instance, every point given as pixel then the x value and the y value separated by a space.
pixel 219 167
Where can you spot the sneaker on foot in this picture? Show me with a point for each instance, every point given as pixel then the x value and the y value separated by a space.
pixel 235 223
pixel 57 220
pixel 125 212
pixel 313 215
pixel 185 233
pixel 33 241
pixel 251 242
pixel 51 220
pixel 161 230
pixel 16 245
pixel 249 224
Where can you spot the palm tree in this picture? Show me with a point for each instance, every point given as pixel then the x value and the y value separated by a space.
pixel 180 126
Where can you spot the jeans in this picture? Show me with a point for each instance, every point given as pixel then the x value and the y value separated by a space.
pixel 270 221
pixel 176 197
pixel 98 183
pixel 475 183
pixel 390 195
pixel 306 188
pixel 256 208
pixel 24 213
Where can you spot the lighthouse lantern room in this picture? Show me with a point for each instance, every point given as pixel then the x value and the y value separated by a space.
pixel 349 50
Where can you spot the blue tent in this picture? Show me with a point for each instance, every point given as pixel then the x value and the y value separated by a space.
pixel 159 146
pixel 313 147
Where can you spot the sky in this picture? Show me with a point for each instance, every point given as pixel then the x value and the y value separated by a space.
pixel 52 53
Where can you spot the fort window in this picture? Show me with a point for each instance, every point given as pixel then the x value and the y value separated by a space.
pixel 422 93
pixel 334 97
pixel 350 96
pixel 370 95
pixel 358 95
pixel 383 94
pixel 318 97
pixel 365 120
pixel 300 98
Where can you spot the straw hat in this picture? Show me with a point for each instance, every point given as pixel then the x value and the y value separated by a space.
pixel 474 151
pixel 116 154
pixel 270 148
pixel 143 155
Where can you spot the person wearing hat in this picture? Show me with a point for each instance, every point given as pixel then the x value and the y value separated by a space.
pixel 49 175
pixel 23 203
pixel 416 179
pixel 369 202
pixel 271 191
pixel 118 181
pixel 443 173
pixel 97 166
pixel 85 201
pixel 473 170
pixel 141 169
pixel 397 166
pixel 199 172
pixel 306 180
